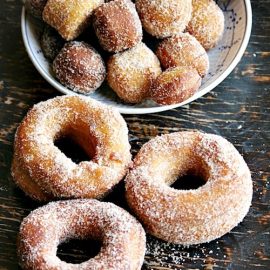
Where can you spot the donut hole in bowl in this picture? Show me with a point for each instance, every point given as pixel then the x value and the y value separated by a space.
pixel 76 251
pixel 77 143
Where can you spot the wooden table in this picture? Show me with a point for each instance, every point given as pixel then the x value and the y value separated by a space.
pixel 238 109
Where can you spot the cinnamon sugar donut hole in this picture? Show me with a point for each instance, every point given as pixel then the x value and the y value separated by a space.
pixel 183 50
pixel 122 236
pixel 79 67
pixel 51 43
pixel 44 172
pixel 189 216
pixel 69 17
pixel 117 25
pixel 164 18
pixel 175 85
pixel 207 23
pixel 35 7
pixel 131 73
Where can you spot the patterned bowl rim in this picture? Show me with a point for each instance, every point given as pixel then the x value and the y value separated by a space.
pixel 140 110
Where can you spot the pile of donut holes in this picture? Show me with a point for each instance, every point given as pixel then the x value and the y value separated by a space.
pixel 183 30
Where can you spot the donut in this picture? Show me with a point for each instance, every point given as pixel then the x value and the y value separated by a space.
pixel 117 25
pixel 183 50
pixel 164 18
pixel 189 216
pixel 122 236
pixel 79 67
pixel 35 7
pixel 131 73
pixel 44 172
pixel 51 43
pixel 207 23
pixel 69 17
pixel 175 85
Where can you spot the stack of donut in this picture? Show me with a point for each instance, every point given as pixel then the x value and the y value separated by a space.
pixel 185 28
pixel 45 173
pixel 185 217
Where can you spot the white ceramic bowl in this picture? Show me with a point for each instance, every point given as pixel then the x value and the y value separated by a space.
pixel 223 58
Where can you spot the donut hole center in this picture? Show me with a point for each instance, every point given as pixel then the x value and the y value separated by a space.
pixel 71 149
pixel 77 251
pixel 188 182
pixel 191 179
pixel 77 144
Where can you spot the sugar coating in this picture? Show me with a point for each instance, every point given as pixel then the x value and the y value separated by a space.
pixel 183 50
pixel 43 168
pixel 51 43
pixel 69 17
pixel 117 25
pixel 189 216
pixel 79 67
pixel 123 238
pixel 207 23
pixel 131 73
pixel 35 7
pixel 164 18
pixel 175 85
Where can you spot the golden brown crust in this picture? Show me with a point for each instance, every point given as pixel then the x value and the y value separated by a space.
pixel 189 216
pixel 164 18
pixel 175 85
pixel 23 179
pixel 69 17
pixel 131 73
pixel 117 25
pixel 79 67
pixel 207 23
pixel 183 50
pixel 122 237
pixel 99 130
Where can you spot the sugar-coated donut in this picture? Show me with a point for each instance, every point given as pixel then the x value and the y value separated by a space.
pixel 164 18
pixel 79 67
pixel 131 73
pixel 189 216
pixel 207 23
pixel 69 17
pixel 122 236
pixel 175 85
pixel 117 25
pixel 51 43
pixel 43 172
pixel 183 50
pixel 35 7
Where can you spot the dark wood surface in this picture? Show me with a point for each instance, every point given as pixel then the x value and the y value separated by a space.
pixel 238 109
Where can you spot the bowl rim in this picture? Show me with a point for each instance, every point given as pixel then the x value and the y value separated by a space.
pixel 155 109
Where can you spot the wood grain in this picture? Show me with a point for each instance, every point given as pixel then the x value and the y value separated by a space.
pixel 238 109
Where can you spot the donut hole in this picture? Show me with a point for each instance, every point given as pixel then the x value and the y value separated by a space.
pixel 76 251
pixel 191 179
pixel 188 182
pixel 71 149
pixel 77 144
